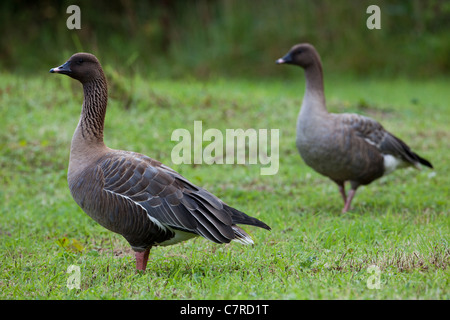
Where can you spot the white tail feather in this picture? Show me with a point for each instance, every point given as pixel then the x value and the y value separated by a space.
pixel 241 236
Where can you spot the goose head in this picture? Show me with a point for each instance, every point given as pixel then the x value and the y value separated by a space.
pixel 82 66
pixel 303 55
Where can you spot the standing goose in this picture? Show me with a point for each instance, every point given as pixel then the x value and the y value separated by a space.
pixel 146 202
pixel 343 147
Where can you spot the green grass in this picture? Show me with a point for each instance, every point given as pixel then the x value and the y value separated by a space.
pixel 399 223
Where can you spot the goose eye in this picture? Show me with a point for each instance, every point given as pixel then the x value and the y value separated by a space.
pixel 80 61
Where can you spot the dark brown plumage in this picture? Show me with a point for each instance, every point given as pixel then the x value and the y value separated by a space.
pixel 344 147
pixel 146 202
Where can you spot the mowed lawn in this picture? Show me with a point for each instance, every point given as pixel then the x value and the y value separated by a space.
pixel 393 244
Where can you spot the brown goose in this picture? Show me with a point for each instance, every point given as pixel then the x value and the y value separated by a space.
pixel 146 202
pixel 343 147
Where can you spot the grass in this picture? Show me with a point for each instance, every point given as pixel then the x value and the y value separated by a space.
pixel 399 223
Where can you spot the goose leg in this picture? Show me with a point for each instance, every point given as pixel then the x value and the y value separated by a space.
pixel 351 194
pixel 342 191
pixel 141 259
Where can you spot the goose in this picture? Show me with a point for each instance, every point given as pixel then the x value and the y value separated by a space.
pixel 128 193
pixel 344 147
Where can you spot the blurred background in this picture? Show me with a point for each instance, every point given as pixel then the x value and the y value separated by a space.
pixel 228 38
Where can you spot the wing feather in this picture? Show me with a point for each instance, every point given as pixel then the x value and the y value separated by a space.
pixel 168 199
pixel 388 144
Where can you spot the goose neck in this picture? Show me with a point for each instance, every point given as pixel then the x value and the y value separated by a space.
pixel 94 109
pixel 314 91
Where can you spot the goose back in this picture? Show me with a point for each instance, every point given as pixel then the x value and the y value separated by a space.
pixel 148 203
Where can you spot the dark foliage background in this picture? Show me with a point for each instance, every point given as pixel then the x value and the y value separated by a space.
pixel 242 38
